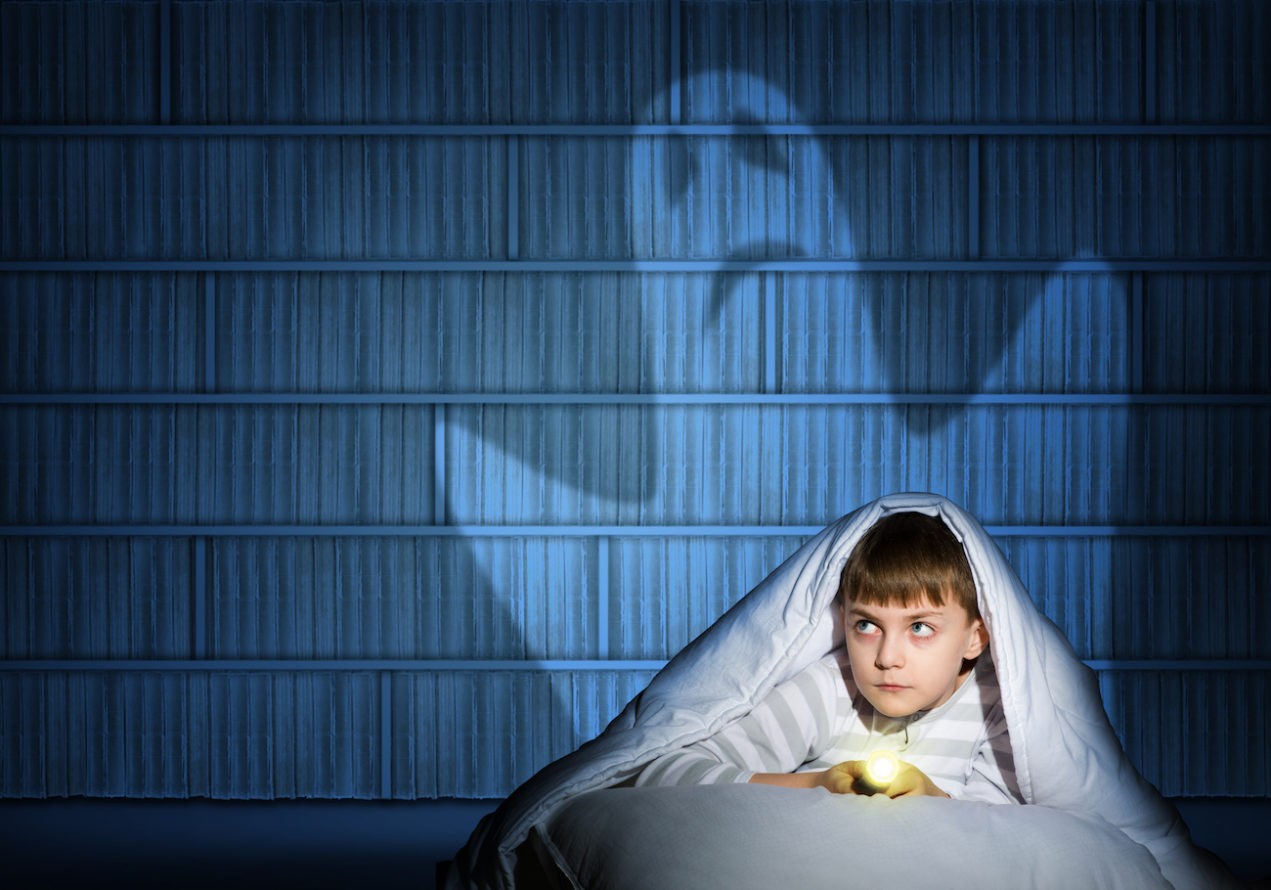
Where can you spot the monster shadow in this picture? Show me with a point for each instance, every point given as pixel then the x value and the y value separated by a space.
pixel 897 337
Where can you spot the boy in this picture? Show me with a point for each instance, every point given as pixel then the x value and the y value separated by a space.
pixel 911 680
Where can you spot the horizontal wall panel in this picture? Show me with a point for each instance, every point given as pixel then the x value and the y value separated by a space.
pixel 1215 61
pixel 1113 598
pixel 251 199
pixel 1175 198
pixel 741 198
pixel 476 735
pixel 883 61
pixel 246 464
pixel 634 332
pixel 479 735
pixel 744 197
pixel 1140 598
pixel 456 62
pixel 409 62
pixel 232 735
pixel 538 598
pixel 664 592
pixel 756 465
pixel 613 465
pixel 490 333
pixel 1075 61
pixel 507 598
pixel 1194 734
pixel 1207 333
pixel 291 735
pixel 331 198
pixel 96 735
pixel 610 62
pixel 79 62
pixel 96 597
pixel 559 464
pixel 1146 598
pixel 217 735
pixel 921 333
pixel 100 333
pixel 1193 460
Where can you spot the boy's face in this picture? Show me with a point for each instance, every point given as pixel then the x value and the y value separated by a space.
pixel 909 658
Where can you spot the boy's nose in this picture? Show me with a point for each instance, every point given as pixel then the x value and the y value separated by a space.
pixel 889 655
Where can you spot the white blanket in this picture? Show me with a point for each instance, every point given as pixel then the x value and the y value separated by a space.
pixel 1067 756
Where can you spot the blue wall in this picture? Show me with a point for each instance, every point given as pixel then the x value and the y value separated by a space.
pixel 389 388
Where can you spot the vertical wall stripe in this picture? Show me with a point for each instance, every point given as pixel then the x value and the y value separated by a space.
pixel 209 334
pixel 770 334
pixel 973 197
pixel 1150 112
pixel 439 511
pixel 386 735
pixel 1137 323
pixel 198 610
pixel 977 87
pixel 165 61
pixel 675 83
pixel 513 198
pixel 603 588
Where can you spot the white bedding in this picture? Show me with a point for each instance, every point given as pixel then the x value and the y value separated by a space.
pixel 723 837
pixel 1067 757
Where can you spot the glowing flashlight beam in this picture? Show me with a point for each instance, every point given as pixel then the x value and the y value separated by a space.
pixel 880 769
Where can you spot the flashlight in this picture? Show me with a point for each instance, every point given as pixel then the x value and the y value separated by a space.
pixel 880 769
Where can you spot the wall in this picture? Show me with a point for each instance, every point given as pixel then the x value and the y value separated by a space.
pixel 389 388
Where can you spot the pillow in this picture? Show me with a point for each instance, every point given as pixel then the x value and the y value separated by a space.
pixel 740 836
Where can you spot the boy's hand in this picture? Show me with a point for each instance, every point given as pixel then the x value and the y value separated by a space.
pixel 847 778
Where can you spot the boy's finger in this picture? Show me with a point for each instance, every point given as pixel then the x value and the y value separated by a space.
pixel 840 784
pixel 841 778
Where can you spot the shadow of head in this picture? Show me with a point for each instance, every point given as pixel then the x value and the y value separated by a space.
pixel 756 196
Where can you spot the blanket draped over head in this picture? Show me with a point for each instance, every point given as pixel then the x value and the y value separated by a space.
pixel 1066 754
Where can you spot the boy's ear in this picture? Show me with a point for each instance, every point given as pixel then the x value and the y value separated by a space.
pixel 979 640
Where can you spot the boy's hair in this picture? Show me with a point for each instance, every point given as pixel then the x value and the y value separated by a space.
pixel 905 557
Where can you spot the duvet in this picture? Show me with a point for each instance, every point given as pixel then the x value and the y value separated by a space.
pixel 1086 806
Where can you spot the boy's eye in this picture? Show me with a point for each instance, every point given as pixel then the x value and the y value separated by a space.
pixel 921 629
pixel 864 627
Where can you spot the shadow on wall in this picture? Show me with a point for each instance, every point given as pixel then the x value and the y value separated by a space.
pixel 755 202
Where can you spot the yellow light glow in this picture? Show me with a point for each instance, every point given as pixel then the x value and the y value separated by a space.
pixel 881 768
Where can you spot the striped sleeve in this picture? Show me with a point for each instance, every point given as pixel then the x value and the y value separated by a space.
pixel 785 730
pixel 992 769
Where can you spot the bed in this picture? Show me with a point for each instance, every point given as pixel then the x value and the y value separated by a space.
pixel 1089 820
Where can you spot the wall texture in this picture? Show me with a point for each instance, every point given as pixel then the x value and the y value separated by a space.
pixel 388 388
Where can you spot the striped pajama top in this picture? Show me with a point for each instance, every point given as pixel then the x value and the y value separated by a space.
pixel 817 719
